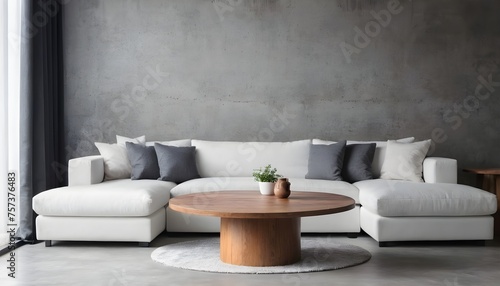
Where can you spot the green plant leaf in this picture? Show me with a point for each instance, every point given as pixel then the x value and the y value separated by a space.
pixel 268 174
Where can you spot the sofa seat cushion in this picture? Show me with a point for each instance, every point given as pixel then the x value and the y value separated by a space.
pixel 123 197
pixel 247 183
pixel 391 198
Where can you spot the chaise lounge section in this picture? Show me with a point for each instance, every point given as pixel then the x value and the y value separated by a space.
pixel 118 210
pixel 409 211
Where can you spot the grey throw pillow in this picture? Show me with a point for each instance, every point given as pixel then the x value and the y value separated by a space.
pixel 177 164
pixel 326 161
pixel 143 161
pixel 358 162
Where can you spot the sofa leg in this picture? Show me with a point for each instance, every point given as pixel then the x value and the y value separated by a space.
pixel 143 244
pixel 48 243
pixel 352 234
pixel 479 242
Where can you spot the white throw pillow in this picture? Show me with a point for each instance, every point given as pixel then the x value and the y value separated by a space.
pixel 121 140
pixel 116 163
pixel 403 161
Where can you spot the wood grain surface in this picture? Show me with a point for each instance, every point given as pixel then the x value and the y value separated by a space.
pixel 251 204
pixel 260 242
pixel 492 171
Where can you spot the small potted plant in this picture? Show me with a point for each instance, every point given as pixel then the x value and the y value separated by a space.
pixel 266 177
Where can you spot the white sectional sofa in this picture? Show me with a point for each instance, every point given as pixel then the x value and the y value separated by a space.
pixel 90 209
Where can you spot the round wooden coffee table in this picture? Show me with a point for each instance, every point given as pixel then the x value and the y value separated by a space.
pixel 259 230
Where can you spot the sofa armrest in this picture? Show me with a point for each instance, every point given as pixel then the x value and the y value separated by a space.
pixel 440 170
pixel 85 170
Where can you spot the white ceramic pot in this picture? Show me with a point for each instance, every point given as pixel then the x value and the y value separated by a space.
pixel 266 188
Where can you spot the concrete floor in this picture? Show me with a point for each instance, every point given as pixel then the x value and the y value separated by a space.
pixel 96 263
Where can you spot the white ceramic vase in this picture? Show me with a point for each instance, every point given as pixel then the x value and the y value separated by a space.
pixel 266 188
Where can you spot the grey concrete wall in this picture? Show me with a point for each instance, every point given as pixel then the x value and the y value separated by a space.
pixel 285 70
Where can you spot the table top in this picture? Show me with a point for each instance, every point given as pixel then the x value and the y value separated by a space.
pixel 251 204
pixel 485 171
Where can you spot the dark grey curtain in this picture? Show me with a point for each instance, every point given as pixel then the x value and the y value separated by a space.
pixel 41 126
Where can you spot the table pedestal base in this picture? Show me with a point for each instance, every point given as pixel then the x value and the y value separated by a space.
pixel 260 242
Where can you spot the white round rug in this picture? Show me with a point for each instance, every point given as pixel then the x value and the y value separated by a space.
pixel 318 254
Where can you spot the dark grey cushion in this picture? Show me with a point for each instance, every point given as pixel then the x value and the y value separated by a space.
pixel 143 161
pixel 358 162
pixel 326 161
pixel 177 164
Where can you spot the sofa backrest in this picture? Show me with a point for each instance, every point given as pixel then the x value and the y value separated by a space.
pixel 177 143
pixel 239 159
pixel 378 157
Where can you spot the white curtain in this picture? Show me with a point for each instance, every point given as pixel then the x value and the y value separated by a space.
pixel 10 39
